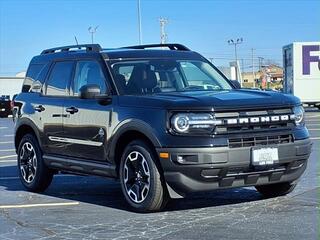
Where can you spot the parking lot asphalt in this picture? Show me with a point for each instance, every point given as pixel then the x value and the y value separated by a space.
pixel 84 207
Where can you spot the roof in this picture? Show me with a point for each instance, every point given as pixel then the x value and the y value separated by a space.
pixel 147 53
pixel 132 52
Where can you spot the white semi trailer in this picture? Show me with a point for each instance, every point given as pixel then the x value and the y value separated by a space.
pixel 301 62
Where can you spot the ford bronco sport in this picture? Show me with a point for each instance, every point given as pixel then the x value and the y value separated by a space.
pixel 160 118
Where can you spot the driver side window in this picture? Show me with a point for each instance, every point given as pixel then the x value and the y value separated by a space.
pixel 88 72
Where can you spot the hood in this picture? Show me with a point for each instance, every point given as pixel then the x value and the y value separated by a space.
pixel 232 99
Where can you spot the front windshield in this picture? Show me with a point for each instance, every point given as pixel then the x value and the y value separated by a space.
pixel 139 77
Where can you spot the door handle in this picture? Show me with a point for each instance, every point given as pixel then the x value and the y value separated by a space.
pixel 72 110
pixel 39 108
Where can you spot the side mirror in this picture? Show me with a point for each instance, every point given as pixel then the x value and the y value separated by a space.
pixel 89 91
pixel 236 84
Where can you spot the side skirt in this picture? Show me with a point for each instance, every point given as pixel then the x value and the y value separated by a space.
pixel 80 166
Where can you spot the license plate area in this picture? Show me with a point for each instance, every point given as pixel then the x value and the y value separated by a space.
pixel 264 156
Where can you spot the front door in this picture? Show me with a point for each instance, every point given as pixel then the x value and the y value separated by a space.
pixel 87 120
pixel 49 106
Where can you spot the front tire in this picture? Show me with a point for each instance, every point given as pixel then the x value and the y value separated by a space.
pixel 275 190
pixel 34 174
pixel 141 181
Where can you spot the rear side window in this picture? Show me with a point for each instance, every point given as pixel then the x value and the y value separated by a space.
pixel 59 77
pixel 31 76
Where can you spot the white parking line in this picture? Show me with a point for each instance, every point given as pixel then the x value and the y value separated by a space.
pixel 7 161
pixel 8 156
pixel 315 138
pixel 39 205
pixel 3 127
pixel 313 116
pixel 7 150
pixel 8 135
pixel 6 142
pixel 313 129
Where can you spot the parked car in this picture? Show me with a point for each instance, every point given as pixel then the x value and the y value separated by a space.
pixel 5 106
pixel 160 118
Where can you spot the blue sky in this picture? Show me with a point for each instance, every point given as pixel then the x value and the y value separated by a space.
pixel 27 27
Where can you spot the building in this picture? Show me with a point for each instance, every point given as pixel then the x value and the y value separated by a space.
pixel 266 75
pixel 273 72
pixel 250 80
pixel 11 85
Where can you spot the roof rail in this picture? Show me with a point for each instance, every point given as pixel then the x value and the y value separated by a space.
pixel 171 46
pixel 88 47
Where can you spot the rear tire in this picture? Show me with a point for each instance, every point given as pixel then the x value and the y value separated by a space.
pixel 141 181
pixel 275 190
pixel 35 176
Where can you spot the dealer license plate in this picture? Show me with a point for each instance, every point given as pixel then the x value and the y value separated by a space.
pixel 265 156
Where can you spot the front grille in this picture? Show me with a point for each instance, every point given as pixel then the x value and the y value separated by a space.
pixel 259 141
pixel 232 122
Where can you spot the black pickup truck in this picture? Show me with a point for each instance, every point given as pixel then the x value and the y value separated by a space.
pixel 5 106
pixel 160 118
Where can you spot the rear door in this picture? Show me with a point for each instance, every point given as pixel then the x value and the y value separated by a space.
pixel 87 120
pixel 50 106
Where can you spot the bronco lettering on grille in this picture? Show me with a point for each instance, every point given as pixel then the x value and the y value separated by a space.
pixel 259 119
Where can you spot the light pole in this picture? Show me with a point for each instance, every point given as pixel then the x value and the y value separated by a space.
pixel 139 22
pixel 235 43
pixel 163 35
pixel 92 31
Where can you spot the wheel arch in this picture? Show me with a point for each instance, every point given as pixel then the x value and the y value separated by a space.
pixel 129 131
pixel 25 127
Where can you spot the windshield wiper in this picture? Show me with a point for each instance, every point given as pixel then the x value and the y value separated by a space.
pixel 192 87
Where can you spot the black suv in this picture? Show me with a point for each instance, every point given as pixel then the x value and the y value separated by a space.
pixel 160 118
pixel 5 106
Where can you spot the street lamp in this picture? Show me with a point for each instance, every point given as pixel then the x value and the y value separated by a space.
pixel 92 31
pixel 235 43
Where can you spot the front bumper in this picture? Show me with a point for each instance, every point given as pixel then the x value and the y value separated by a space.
pixel 204 169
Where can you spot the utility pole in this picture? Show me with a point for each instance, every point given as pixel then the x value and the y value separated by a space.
pixel 92 31
pixel 253 72
pixel 163 35
pixel 139 22
pixel 235 43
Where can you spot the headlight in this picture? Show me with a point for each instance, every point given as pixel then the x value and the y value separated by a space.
pixel 181 123
pixel 298 115
pixel 193 122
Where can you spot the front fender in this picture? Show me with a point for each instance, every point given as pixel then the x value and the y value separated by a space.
pixel 132 125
